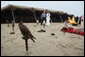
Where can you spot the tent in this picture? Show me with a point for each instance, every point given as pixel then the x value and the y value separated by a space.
pixel 29 14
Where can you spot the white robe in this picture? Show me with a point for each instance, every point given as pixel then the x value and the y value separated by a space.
pixel 48 19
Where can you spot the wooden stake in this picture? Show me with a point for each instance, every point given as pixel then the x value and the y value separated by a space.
pixel 37 21
pixel 64 32
pixel 26 44
pixel 44 25
pixel 13 28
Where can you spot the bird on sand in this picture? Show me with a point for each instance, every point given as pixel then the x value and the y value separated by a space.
pixel 25 31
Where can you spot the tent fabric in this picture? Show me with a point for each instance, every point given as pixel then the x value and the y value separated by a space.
pixel 28 14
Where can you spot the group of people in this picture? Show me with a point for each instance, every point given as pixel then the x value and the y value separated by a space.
pixel 45 18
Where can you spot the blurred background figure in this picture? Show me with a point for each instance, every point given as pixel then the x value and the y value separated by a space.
pixel 48 18
pixel 43 17
pixel 82 20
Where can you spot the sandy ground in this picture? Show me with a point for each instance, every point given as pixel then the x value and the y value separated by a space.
pixel 45 45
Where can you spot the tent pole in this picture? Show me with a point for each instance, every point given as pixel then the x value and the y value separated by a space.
pixel 35 16
pixel 33 10
pixel 61 18
pixel 13 15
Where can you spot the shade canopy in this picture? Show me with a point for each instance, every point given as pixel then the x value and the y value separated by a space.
pixel 27 14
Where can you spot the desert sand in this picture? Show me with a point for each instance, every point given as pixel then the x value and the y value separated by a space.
pixel 60 44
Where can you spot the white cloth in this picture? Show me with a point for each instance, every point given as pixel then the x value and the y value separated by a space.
pixel 48 19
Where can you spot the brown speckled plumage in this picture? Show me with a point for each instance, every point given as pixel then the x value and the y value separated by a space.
pixel 25 31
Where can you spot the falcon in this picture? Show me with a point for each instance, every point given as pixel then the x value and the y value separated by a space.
pixel 26 32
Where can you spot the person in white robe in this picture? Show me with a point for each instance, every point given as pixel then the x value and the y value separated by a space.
pixel 48 19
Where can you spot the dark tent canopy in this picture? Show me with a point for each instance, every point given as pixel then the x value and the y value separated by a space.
pixel 29 14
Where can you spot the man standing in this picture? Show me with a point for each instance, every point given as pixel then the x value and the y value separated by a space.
pixel 43 17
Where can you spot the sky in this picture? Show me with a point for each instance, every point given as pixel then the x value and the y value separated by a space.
pixel 71 7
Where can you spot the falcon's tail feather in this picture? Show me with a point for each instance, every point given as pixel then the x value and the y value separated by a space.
pixel 33 40
pixel 33 37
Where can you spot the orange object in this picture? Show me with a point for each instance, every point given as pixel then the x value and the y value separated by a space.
pixel 70 21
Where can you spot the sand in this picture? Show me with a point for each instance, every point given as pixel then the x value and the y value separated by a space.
pixel 46 44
